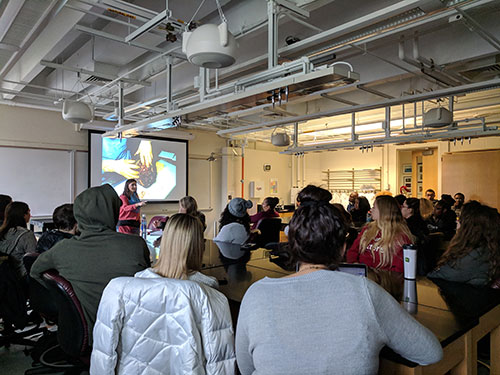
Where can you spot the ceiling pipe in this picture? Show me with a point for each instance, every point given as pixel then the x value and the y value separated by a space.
pixel 494 83
pixel 431 17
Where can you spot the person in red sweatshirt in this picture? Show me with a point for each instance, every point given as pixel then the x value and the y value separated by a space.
pixel 380 243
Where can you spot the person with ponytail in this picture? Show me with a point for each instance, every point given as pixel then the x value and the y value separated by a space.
pixel 380 243
pixel 268 210
pixel 15 239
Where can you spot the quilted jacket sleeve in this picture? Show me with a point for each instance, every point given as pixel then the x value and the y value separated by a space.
pixel 218 335
pixel 107 329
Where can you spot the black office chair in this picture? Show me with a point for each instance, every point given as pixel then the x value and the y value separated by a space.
pixel 269 231
pixel 72 332
pixel 14 308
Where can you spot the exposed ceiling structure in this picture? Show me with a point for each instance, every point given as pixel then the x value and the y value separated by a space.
pixel 332 74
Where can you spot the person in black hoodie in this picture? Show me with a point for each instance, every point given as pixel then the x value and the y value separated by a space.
pixel 65 224
pixel 443 219
pixel 90 260
pixel 410 209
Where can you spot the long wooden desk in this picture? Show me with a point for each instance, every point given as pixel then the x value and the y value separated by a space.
pixel 459 315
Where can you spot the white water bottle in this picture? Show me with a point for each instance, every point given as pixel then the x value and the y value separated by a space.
pixel 143 227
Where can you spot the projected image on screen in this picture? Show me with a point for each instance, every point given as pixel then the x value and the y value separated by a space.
pixel 153 168
pixel 158 165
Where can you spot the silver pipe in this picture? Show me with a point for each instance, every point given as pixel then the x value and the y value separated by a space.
pixel 494 83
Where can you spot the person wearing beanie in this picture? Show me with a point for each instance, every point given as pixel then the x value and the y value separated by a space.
pixel 234 226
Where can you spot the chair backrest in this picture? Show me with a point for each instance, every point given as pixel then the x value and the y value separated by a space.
pixel 269 230
pixel 72 332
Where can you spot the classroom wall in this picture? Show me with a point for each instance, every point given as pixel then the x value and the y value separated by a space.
pixel 317 163
pixel 26 127
pixel 254 161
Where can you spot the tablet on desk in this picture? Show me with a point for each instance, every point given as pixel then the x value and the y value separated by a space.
pixel 357 269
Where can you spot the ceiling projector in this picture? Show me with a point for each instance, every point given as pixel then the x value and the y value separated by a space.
pixel 210 46
pixel 437 118
pixel 280 139
pixel 76 112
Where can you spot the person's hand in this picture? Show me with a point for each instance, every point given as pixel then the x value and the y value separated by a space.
pixel 140 204
pixel 127 168
pixel 145 152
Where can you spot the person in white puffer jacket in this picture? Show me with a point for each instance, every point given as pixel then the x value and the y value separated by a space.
pixel 168 319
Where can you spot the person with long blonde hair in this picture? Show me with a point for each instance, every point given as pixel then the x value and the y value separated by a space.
pixel 169 313
pixel 181 250
pixel 380 243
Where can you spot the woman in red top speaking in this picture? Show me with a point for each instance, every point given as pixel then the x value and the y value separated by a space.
pixel 380 243
pixel 129 220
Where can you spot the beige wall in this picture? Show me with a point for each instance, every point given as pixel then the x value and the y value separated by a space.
pixel 26 127
pixel 281 167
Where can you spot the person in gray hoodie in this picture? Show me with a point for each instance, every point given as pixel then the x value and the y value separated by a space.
pixel 89 261
pixel 15 239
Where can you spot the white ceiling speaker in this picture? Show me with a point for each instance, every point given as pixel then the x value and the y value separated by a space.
pixel 280 139
pixel 210 46
pixel 437 118
pixel 77 112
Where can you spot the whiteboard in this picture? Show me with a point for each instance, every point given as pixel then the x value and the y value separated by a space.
pixel 44 179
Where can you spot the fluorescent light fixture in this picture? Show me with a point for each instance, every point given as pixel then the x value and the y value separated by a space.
pixel 398 123
pixel 324 141
pixel 372 136
pixel 347 129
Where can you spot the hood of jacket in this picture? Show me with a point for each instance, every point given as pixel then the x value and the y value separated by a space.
pixel 97 209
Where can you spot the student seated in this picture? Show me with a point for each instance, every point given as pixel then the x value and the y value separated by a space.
pixel 442 220
pixel 426 208
pixel 312 193
pixel 360 211
pixel 380 243
pixel 188 205
pixel 181 252
pixel 473 254
pixel 321 321
pixel 234 223
pixel 65 224
pixel 15 239
pixel 268 210
pixel 410 209
pixel 89 261
pixel 168 319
